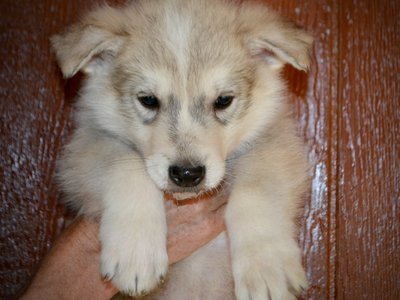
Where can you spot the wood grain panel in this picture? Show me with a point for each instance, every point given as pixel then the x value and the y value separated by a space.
pixel 314 99
pixel 34 122
pixel 369 157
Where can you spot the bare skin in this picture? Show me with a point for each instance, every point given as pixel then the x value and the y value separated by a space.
pixel 71 269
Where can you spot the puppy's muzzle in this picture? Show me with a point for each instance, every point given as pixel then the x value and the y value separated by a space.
pixel 187 176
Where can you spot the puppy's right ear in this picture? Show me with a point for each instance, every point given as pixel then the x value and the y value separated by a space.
pixel 276 40
pixel 85 45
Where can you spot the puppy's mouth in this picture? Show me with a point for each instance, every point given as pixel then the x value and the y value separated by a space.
pixel 193 195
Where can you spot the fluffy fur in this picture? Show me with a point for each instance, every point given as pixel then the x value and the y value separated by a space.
pixel 187 53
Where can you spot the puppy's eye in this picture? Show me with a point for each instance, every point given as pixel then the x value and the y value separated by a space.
pixel 223 102
pixel 150 102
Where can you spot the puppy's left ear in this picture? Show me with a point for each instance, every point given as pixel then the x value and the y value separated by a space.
pixel 90 43
pixel 277 40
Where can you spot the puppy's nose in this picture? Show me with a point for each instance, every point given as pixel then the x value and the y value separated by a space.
pixel 186 176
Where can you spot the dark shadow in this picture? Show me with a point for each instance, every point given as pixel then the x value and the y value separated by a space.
pixel 297 80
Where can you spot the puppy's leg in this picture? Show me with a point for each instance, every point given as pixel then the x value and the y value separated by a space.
pixel 106 178
pixel 266 258
pixel 260 220
pixel 133 230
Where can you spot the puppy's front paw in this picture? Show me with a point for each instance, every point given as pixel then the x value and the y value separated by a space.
pixel 135 262
pixel 268 271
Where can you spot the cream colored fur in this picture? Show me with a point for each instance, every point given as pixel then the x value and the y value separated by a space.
pixel 187 53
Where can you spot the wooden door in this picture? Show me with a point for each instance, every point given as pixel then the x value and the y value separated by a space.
pixel 348 108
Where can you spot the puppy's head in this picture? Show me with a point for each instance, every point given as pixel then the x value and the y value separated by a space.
pixel 189 84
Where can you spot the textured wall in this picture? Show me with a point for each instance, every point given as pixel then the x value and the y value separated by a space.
pixel 348 108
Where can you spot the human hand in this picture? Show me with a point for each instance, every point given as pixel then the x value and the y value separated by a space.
pixel 71 270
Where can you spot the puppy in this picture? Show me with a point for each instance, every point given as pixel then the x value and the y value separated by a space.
pixel 185 97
